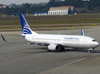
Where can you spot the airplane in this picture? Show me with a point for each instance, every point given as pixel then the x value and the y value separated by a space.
pixel 56 42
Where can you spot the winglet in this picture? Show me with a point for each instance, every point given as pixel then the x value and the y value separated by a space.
pixel 82 32
pixel 3 37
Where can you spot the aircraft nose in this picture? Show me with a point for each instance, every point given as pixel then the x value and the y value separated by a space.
pixel 97 44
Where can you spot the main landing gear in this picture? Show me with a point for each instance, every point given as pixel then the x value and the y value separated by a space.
pixel 60 48
pixel 90 50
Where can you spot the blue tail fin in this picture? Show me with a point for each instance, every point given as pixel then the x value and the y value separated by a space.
pixel 25 27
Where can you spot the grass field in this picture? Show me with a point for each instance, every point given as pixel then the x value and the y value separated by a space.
pixel 38 22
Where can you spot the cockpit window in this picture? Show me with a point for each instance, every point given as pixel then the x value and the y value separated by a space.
pixel 94 40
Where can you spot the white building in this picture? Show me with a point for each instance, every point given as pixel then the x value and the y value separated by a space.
pixel 40 13
pixel 62 10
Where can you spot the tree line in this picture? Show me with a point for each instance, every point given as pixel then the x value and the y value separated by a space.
pixel 81 6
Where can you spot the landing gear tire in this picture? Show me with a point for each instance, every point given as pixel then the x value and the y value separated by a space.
pixel 60 48
pixel 90 50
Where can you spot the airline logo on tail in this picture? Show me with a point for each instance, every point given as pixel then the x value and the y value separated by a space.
pixel 26 30
pixel 25 27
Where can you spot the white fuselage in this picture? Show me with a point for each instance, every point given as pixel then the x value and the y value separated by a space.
pixel 73 41
pixel 56 42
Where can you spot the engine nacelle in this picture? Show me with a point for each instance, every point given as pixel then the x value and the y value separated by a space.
pixel 52 47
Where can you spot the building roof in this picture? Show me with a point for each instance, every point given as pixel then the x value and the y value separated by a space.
pixel 60 8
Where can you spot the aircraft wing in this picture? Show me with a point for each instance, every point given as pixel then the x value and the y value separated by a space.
pixel 30 43
pixel 11 41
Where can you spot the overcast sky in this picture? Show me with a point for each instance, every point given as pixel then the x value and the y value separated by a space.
pixel 7 2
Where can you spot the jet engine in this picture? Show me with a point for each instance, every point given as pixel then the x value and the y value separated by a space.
pixel 55 47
